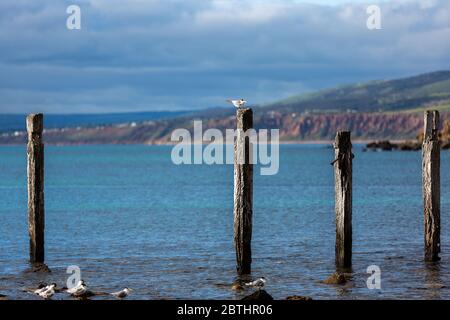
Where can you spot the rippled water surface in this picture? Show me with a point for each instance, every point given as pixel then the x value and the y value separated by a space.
pixel 129 217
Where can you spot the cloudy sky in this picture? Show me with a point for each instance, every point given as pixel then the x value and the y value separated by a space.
pixel 138 55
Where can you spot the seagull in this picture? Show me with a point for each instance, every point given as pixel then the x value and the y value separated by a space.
pixel 123 293
pixel 74 289
pixel 47 294
pixel 259 283
pixel 44 288
pixel 79 290
pixel 40 290
pixel 237 103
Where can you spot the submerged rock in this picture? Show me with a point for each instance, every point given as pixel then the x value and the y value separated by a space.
pixel 260 295
pixel 61 290
pixel 90 294
pixel 384 145
pixel 335 278
pixel 410 146
pixel 85 295
pixel 237 287
pixel 299 298
pixel 39 267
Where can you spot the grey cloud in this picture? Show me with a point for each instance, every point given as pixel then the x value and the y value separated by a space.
pixel 159 54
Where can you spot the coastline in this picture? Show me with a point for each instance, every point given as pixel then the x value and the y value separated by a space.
pixel 296 142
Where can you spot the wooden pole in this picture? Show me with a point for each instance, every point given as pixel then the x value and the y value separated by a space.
pixel 243 193
pixel 343 199
pixel 431 185
pixel 36 219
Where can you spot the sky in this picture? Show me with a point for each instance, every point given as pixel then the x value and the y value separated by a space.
pixel 163 55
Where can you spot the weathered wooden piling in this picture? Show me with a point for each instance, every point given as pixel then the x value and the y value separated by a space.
pixel 36 217
pixel 243 193
pixel 431 185
pixel 343 199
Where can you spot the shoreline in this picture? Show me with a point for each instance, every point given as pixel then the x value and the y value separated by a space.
pixel 297 142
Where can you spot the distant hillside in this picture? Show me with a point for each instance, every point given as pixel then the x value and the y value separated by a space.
pixel 375 110
pixel 16 122
pixel 391 95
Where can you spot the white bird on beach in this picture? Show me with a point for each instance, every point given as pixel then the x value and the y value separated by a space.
pixel 76 287
pixel 49 292
pixel 237 103
pixel 258 283
pixel 38 291
pixel 79 290
pixel 123 293
pixel 44 288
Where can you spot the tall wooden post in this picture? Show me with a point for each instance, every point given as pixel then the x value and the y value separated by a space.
pixel 343 199
pixel 243 192
pixel 36 218
pixel 431 185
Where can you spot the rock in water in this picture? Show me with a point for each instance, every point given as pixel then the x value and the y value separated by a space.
pixel 260 295
pixel 335 278
pixel 299 298
pixel 39 267
pixel 384 145
pixel 410 146
pixel 85 295
pixel 236 287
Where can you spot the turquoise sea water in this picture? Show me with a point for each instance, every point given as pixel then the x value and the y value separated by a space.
pixel 129 217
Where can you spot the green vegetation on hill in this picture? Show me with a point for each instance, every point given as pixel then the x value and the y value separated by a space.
pixel 391 95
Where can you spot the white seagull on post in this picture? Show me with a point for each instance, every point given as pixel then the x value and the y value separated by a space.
pixel 237 103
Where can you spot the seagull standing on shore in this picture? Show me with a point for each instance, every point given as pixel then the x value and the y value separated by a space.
pixel 123 293
pixel 258 283
pixel 44 288
pixel 48 292
pixel 39 291
pixel 79 290
pixel 77 286
pixel 237 103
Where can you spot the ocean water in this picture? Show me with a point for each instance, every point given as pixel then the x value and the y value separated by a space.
pixel 129 217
